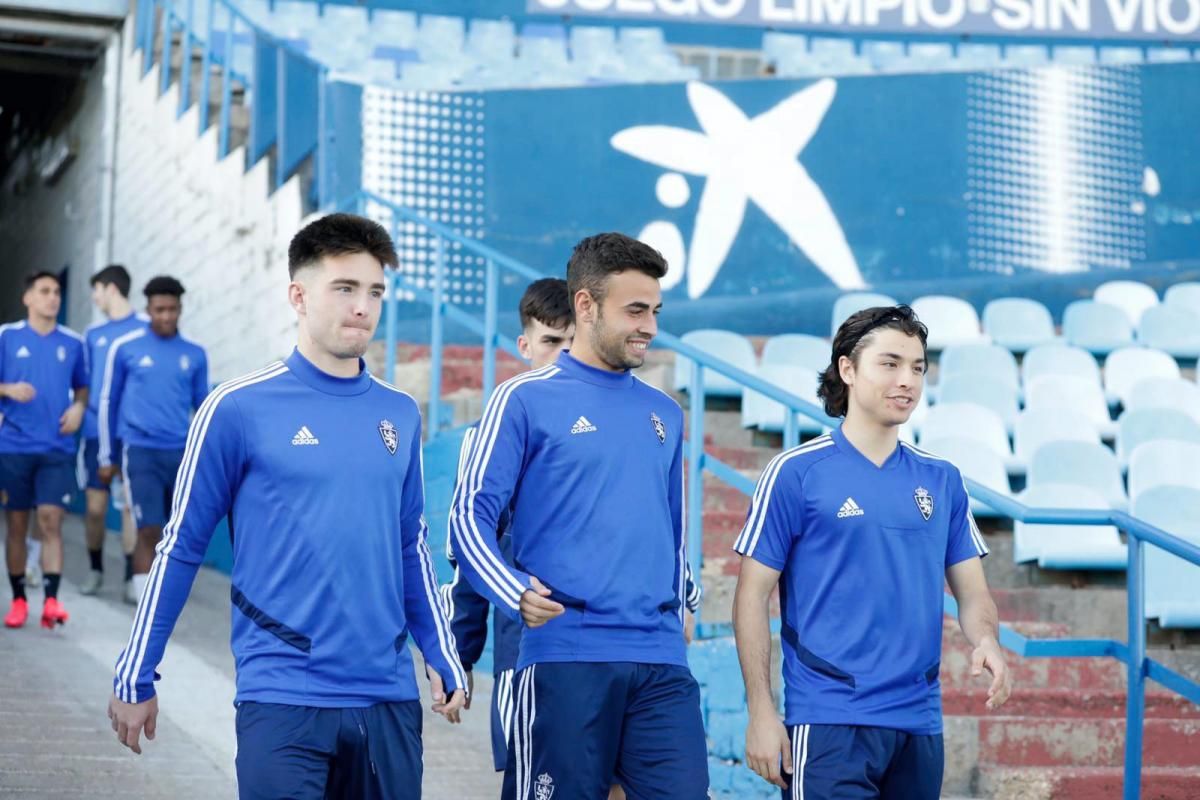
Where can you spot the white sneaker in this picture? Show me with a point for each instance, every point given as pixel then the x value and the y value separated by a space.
pixel 133 589
pixel 33 577
pixel 92 583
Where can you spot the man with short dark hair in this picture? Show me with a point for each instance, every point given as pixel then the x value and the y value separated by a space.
pixel 859 531
pixel 587 461
pixel 110 295
pixel 43 394
pixel 317 465
pixel 154 379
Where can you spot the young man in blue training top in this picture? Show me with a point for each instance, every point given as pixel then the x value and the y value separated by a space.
pixel 588 462
pixel 859 531
pixel 43 394
pixel 317 465
pixel 110 294
pixel 547 328
pixel 153 379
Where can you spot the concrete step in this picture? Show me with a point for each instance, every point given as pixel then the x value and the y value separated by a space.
pixel 1085 783
pixel 1057 703
pixel 1084 742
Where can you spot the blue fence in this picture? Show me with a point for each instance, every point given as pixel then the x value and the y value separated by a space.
pixel 1132 653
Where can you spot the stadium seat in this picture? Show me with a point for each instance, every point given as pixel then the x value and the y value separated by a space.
pixel 982 389
pixel 1058 359
pixel 930 56
pixel 492 42
pixel 1169 393
pixel 950 320
pixel 1125 367
pixel 1170 581
pixel 394 28
pixel 966 421
pixel 1018 323
pixel 1132 297
pixel 1163 463
pixel 1121 55
pixel 339 22
pixel 1074 55
pixel 730 347
pixel 1139 426
pixel 1098 328
pixel 989 360
pixel 1070 394
pixel 1079 464
pixel 1056 546
pixel 797 350
pixel 768 415
pixel 975 463
pixel 1025 55
pixel 977 55
pixel 1184 295
pixel 885 56
pixel 852 303
pixel 783 45
pixel 1167 55
pixel 441 38
pixel 1035 427
pixel 1173 329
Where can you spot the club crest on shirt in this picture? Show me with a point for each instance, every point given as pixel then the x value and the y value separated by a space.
pixel 184 363
pixel 390 438
pixel 545 787
pixel 924 502
pixel 62 353
pixel 659 428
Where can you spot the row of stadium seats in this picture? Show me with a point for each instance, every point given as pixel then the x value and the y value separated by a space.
pixel 799 56
pixel 1120 313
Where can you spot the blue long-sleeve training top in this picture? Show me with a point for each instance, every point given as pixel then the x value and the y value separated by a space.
pixel 321 480
pixel 99 338
pixel 56 365
pixel 151 385
pixel 591 464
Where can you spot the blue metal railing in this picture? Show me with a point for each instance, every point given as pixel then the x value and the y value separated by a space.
pixel 1132 653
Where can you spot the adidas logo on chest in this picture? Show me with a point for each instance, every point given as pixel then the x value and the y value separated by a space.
pixel 582 425
pixel 304 436
pixel 850 509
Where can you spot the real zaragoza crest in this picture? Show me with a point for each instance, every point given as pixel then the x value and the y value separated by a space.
pixel 924 502
pixel 659 428
pixel 390 438
pixel 545 787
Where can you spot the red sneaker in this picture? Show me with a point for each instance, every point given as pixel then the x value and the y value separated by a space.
pixel 53 613
pixel 17 614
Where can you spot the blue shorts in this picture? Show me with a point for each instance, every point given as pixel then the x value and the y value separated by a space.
pixel 853 762
pixel 90 478
pixel 581 727
pixel 28 480
pixel 150 476
pixel 502 715
pixel 308 753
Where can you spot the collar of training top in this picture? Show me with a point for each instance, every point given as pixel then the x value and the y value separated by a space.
pixel 585 372
pixel 308 372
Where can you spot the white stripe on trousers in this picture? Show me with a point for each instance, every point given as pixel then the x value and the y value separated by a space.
pixel 799 758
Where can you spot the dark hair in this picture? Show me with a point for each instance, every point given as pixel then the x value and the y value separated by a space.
pixel 114 275
pixel 37 275
pixel 340 235
pixel 855 334
pixel 163 284
pixel 597 257
pixel 547 301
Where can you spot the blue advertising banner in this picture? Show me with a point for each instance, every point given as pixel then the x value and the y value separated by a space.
pixel 1159 20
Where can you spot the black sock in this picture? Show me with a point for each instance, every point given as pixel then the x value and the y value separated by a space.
pixel 50 584
pixel 97 559
pixel 18 586
pixel 128 567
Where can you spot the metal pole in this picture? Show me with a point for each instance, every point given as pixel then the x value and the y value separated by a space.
pixel 164 76
pixel 489 330
pixel 1135 694
pixel 389 325
pixel 695 473
pixel 791 430
pixel 148 35
pixel 206 66
pixel 185 60
pixel 435 325
pixel 226 88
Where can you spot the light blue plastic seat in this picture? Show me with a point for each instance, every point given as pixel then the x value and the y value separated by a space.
pixel 1171 582
pixel 1168 55
pixel 768 415
pixel 1080 464
pixel 441 38
pixel 1097 327
pixel 1173 393
pixel 1074 55
pixel 967 421
pixel 1121 55
pixel 1163 463
pixel 392 28
pixel 798 350
pixel 730 347
pixel 1125 367
pixel 989 360
pixel 982 389
pixel 1025 55
pixel 1185 295
pixel 1058 359
pixel 1018 323
pixel 1132 297
pixel 1056 546
pixel 1070 394
pixel 1036 427
pixel 951 321
pixel 977 463
pixel 777 46
pixel 978 55
pixel 852 303
pixel 1172 329
pixel 884 56
pixel 1139 426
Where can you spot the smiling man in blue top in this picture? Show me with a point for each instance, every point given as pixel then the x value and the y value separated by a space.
pixel 859 531
pixel 588 462
pixel 317 465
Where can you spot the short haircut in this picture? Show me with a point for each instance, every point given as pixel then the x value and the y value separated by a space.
pixel 114 275
pixel 598 257
pixel 163 284
pixel 37 275
pixel 340 235
pixel 547 301
pixel 852 337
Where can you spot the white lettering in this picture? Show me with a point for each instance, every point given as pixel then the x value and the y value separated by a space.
pixel 771 12
pixel 1174 25
pixel 837 12
pixel 552 4
pixel 723 9
pixel 947 19
pixel 1078 11
pixel 636 6
pixel 680 8
pixel 593 5
pixel 1014 15
pixel 1123 13
pixel 873 7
